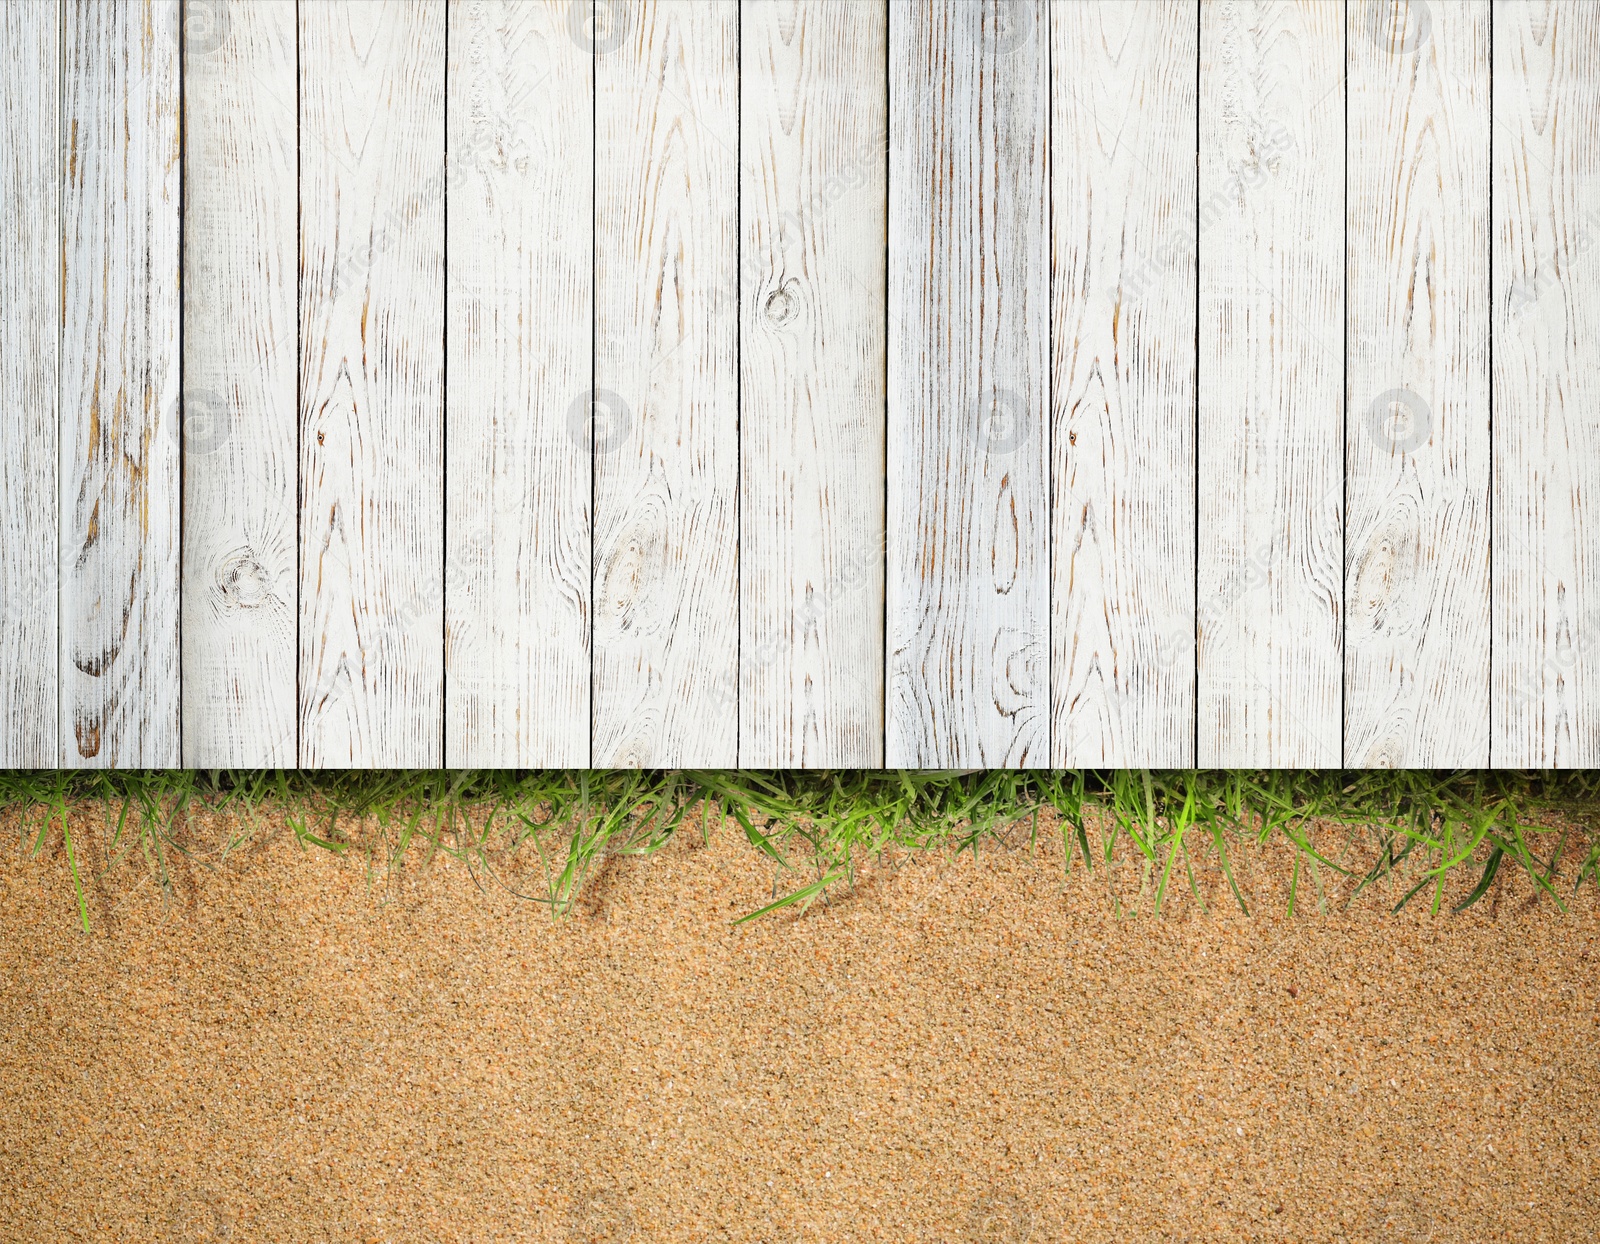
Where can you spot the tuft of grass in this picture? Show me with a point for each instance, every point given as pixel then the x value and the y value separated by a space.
pixel 818 828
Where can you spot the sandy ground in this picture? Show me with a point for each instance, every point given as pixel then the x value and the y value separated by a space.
pixel 961 1050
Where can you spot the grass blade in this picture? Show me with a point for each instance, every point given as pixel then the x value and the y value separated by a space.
pixel 805 894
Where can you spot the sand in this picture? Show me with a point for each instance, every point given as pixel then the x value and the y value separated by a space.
pixel 287 1049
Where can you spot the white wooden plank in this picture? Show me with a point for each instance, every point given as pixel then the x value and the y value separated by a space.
pixel 119 688
pixel 968 508
pixel 520 302
pixel 1123 503
pixel 1546 319
pixel 666 456
pixel 814 198
pixel 1416 672
pixel 239 412
pixel 1271 377
pixel 372 169
pixel 30 292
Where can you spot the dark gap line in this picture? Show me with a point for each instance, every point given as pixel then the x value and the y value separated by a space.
pixel 888 226
pixel 444 428
pixel 183 378
pixel 61 345
pixel 738 388
pixel 1489 384
pixel 1344 431
pixel 299 393
pixel 1195 531
pixel 594 348
pixel 183 455
pixel 1049 398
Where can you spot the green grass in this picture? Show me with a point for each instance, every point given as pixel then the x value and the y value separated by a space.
pixel 817 829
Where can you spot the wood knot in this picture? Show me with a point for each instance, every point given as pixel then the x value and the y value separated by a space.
pixel 87 733
pixel 782 305
pixel 1388 571
pixel 243 582
pixel 632 574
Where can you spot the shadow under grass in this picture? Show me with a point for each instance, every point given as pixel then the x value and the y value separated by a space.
pixel 1441 839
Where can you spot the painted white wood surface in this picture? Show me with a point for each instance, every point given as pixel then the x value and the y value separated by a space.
pixel 1271 381
pixel 846 504
pixel 1416 670
pixel 519 291
pixel 1546 317
pixel 372 121
pixel 813 187
pixel 1123 500
pixel 968 357
pixel 666 443
pixel 119 475
pixel 240 268
pixel 30 292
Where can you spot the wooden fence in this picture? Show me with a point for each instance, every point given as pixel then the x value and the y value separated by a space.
pixel 930 383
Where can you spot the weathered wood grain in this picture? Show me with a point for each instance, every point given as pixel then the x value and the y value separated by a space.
pixel 774 433
pixel 119 502
pixel 1416 666
pixel 372 119
pixel 813 203
pixel 1271 377
pixel 1122 164
pixel 519 290
pixel 240 417
pixel 30 292
pixel 666 449
pixel 1546 318
pixel 968 499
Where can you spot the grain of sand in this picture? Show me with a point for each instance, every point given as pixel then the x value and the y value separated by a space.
pixel 961 1049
